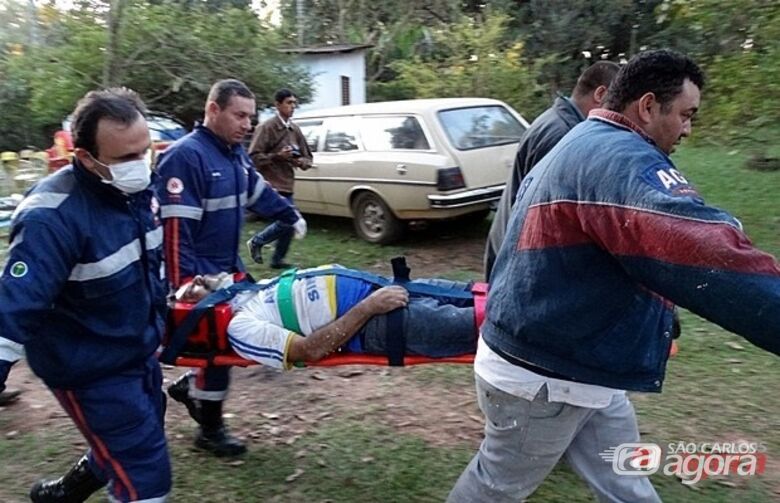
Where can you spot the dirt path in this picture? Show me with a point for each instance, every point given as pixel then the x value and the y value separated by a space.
pixel 303 400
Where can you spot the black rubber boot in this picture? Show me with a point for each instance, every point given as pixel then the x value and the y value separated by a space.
pixel 74 487
pixel 213 435
pixel 180 391
pixel 8 397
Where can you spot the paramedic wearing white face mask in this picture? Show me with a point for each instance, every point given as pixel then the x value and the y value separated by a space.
pixel 83 241
pixel 121 161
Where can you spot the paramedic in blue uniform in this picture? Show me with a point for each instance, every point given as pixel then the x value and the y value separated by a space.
pixel 206 182
pixel 83 241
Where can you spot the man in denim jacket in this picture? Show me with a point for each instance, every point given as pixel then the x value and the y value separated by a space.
pixel 605 237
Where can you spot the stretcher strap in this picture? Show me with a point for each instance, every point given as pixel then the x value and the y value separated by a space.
pixel 395 335
pixel 285 303
pixel 178 339
pixel 395 338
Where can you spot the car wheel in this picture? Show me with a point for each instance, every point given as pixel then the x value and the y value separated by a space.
pixel 374 221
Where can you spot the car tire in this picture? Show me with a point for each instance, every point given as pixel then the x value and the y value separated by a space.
pixel 374 221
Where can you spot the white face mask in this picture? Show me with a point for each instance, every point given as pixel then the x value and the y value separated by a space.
pixel 129 176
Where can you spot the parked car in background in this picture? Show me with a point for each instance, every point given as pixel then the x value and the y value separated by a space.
pixel 163 129
pixel 385 164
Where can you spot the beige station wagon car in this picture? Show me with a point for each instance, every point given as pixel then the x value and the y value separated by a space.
pixel 384 164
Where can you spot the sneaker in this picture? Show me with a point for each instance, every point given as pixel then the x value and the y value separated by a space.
pixel 255 251
pixel 180 391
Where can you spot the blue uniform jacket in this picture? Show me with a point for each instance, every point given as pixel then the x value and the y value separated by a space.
pixel 606 235
pixel 204 187
pixel 84 287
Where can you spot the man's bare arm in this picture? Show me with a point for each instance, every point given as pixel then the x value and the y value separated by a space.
pixel 329 338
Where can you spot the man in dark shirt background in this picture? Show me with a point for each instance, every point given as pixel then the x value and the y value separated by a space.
pixel 541 137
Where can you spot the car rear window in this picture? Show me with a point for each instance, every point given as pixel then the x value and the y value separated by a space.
pixel 478 127
pixel 392 133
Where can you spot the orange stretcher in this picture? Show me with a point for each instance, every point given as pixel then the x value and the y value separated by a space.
pixel 219 353
pixel 208 346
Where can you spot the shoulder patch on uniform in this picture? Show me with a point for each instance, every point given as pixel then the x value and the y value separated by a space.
pixel 174 185
pixel 19 269
pixel 669 180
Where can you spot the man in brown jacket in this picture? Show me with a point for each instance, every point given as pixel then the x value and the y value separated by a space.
pixel 277 148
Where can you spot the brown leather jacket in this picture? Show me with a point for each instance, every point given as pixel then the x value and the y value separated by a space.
pixel 270 138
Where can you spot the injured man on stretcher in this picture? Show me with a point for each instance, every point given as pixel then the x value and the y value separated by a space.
pixel 305 315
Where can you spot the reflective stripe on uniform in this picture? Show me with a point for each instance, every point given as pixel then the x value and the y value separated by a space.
pixel 18 239
pixel 181 211
pixel 223 203
pixel 40 200
pixel 213 396
pixel 10 351
pixel 259 188
pixel 159 499
pixel 118 260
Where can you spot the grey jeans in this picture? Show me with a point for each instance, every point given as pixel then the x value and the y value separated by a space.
pixel 524 440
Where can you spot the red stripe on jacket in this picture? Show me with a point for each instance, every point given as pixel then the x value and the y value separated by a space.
pixel 172 250
pixel 627 231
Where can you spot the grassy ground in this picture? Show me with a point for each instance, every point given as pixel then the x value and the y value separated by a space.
pixel 388 436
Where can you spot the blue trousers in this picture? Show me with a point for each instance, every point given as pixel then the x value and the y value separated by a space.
pixel 121 418
pixel 277 231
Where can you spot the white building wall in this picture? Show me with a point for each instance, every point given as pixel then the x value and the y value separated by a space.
pixel 327 70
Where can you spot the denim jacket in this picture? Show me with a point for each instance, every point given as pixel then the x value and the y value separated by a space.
pixel 605 237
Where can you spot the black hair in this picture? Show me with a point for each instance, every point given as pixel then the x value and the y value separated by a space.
pixel 117 104
pixel 661 72
pixel 223 90
pixel 600 73
pixel 283 94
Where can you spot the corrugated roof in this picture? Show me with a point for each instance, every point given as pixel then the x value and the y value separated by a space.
pixel 326 48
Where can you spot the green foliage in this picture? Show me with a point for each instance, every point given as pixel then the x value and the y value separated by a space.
pixel 170 52
pixel 738 44
pixel 519 51
pixel 572 34
pixel 16 131
pixel 473 58
pixel 175 55
pixel 740 101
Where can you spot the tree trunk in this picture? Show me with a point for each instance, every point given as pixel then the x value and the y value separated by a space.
pixel 111 64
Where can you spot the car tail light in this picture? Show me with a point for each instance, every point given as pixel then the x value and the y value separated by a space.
pixel 449 179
